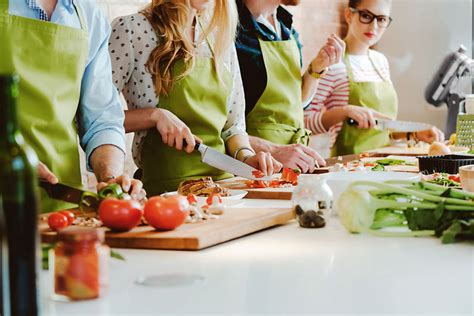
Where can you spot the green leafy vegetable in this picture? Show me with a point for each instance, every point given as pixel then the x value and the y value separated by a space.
pixel 378 167
pixel 422 208
pixel 116 255
pixel 390 162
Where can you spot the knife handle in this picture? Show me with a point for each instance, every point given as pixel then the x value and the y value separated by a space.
pixel 196 146
pixel 45 184
pixel 352 122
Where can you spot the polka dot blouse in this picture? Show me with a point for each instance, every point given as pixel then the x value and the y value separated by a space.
pixel 130 44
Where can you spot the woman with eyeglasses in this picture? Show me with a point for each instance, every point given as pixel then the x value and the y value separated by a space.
pixel 359 87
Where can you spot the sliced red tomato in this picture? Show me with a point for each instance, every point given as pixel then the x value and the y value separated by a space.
pixel 455 178
pixel 290 175
pixel 166 213
pixel 275 184
pixel 192 199
pixel 258 174
pixel 212 197
pixel 258 184
pixel 120 215
pixel 57 221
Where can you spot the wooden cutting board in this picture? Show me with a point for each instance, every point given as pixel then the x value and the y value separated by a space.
pixel 234 223
pixel 401 151
pixel 239 183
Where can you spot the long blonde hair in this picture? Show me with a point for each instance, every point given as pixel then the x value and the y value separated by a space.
pixel 169 19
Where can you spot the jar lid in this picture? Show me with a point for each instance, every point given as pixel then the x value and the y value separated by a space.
pixel 77 234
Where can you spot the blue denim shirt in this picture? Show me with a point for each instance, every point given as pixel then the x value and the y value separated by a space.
pixel 251 62
pixel 100 115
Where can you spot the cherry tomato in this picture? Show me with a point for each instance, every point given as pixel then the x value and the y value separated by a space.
pixel 70 216
pixel 57 221
pixel 120 215
pixel 166 213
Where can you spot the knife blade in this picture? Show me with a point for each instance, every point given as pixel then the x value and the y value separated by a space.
pixel 396 126
pixel 63 192
pixel 225 163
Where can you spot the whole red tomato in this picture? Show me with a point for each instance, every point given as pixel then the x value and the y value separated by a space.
pixel 166 213
pixel 57 221
pixel 120 215
pixel 69 215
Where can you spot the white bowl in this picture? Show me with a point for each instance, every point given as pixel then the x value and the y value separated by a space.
pixel 339 181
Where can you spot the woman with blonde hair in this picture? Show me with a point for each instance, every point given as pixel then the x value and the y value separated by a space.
pixel 176 65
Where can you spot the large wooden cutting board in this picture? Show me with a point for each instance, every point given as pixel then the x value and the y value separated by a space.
pixel 234 223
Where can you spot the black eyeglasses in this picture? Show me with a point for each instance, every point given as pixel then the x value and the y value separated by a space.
pixel 367 17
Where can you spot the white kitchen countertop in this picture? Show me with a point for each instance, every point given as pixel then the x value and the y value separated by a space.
pixel 289 270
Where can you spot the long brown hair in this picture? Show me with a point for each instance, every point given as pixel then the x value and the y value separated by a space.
pixel 169 19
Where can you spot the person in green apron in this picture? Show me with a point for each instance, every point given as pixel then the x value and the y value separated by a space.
pixel 359 87
pixel 270 59
pixel 177 68
pixel 59 51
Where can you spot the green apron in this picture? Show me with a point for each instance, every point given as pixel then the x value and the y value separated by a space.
pixel 50 60
pixel 278 114
pixel 380 96
pixel 200 101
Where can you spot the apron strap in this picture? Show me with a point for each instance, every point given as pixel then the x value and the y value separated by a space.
pixel 4 7
pixel 207 37
pixel 80 14
pixel 375 67
pixel 348 67
pixel 350 74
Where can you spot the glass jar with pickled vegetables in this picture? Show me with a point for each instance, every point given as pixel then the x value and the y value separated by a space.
pixel 79 264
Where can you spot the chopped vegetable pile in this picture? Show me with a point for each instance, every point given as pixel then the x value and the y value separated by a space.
pixel 423 208
pixel 379 165
pixel 444 179
pixel 289 178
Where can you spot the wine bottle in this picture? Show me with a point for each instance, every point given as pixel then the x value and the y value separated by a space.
pixel 18 188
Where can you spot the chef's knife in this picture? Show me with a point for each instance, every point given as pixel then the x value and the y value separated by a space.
pixel 396 126
pixel 70 194
pixel 225 163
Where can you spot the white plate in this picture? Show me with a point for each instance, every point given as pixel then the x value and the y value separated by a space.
pixel 339 181
pixel 233 199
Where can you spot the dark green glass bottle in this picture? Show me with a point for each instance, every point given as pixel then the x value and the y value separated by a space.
pixel 18 188
pixel 4 284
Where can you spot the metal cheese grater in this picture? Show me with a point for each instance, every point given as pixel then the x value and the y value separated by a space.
pixel 465 131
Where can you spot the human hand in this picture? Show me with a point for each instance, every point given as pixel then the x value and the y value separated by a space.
pixel 298 156
pixel 173 131
pixel 364 117
pixel 264 162
pixel 131 186
pixel 330 54
pixel 45 174
pixel 431 135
